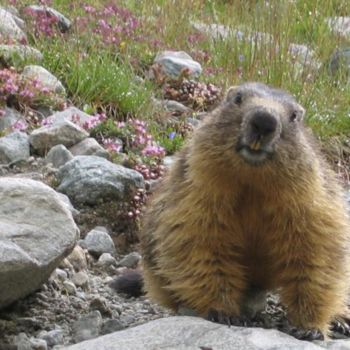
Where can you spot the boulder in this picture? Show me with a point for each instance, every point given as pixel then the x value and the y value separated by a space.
pixel 191 333
pixel 12 54
pixel 45 78
pixel 36 232
pixel 174 62
pixel 91 179
pixel 14 147
pixel 64 132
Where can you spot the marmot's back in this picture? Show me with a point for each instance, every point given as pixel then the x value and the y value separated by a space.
pixel 249 205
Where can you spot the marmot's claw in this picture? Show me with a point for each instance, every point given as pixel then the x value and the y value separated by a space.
pixel 341 326
pixel 219 317
pixel 306 334
pixel 240 321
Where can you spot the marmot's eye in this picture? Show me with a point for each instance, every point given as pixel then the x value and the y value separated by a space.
pixel 238 98
pixel 293 117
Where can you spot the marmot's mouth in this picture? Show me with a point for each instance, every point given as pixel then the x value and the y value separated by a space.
pixel 253 157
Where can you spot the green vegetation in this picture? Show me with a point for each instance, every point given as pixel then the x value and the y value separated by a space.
pixel 109 45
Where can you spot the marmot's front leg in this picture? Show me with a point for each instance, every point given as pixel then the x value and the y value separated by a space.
pixel 313 296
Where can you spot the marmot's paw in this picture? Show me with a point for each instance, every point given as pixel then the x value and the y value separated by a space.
pixel 306 334
pixel 241 321
pixel 218 317
pixel 340 327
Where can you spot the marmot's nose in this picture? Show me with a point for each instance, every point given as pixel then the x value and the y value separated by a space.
pixel 263 123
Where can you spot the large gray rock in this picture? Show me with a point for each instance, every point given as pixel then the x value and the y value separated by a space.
pixel 173 62
pixel 191 333
pixel 62 21
pixel 64 132
pixel 12 54
pixel 14 147
pixel 36 232
pixel 91 179
pixel 45 78
pixel 10 117
pixel 72 114
pixel 9 29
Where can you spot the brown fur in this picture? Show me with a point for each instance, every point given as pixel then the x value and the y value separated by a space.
pixel 219 226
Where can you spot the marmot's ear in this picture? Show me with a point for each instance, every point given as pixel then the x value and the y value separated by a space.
pixel 301 112
pixel 231 93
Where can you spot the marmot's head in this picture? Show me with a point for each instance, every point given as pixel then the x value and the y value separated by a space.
pixel 266 119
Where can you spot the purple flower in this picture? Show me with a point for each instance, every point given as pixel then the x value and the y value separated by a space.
pixel 19 125
pixel 153 150
pixel 172 135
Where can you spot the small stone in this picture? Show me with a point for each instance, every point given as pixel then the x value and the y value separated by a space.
pixel 10 117
pixel 168 161
pixel 61 274
pixel 194 122
pixel 71 114
pixel 70 287
pixel 113 325
pixel 78 259
pixel 100 304
pixel 98 241
pixel 44 77
pixel 131 260
pixel 152 184
pixel 174 62
pixel 91 180
pixel 38 344
pixel 88 147
pixel 105 260
pixel 65 264
pixel 22 342
pixel 14 147
pixel 340 62
pixel 65 133
pixel 176 107
pixel 127 319
pixel 339 25
pixel 87 327
pixel 81 279
pixel 52 338
pixel 28 322
pixel 58 156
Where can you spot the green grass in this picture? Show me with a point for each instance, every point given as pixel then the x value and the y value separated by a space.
pixel 103 76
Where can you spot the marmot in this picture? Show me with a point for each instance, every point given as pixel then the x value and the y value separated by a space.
pixel 250 204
